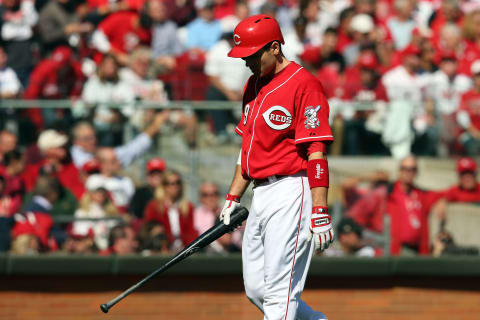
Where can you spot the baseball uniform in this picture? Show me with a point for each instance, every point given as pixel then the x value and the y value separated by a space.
pixel 280 115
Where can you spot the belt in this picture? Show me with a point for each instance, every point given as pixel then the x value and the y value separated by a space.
pixel 276 177
pixel 271 179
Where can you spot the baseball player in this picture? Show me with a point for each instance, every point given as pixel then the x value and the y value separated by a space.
pixel 284 129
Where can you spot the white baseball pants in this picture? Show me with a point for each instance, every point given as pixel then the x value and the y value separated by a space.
pixel 277 250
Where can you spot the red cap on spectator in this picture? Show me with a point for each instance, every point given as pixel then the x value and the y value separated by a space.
pixel 410 50
pixel 34 223
pixel 156 164
pixel 367 60
pixel 466 164
pixel 62 54
pixel 91 166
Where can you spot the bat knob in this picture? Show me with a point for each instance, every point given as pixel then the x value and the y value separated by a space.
pixel 104 308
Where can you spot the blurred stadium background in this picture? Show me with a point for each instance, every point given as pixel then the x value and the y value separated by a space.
pixel 117 146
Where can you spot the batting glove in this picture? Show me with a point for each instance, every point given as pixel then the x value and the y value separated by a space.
pixel 321 228
pixel 231 203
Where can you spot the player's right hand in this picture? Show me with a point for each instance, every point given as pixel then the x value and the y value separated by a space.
pixel 231 202
pixel 321 228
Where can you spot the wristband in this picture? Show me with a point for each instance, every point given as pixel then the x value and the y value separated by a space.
pixel 231 197
pixel 320 209
pixel 317 173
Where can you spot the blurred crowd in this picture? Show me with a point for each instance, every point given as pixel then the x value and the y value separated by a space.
pixel 75 199
pixel 402 75
pixel 371 198
pixel 70 195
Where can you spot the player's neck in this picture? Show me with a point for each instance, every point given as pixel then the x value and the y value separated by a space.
pixel 281 64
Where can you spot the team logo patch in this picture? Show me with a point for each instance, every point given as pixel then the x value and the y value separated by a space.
pixel 312 121
pixel 236 39
pixel 277 118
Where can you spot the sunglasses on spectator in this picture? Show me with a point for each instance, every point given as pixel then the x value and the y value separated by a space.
pixel 173 183
pixel 411 169
pixel 209 194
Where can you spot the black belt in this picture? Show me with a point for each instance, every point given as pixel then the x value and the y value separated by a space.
pixel 271 179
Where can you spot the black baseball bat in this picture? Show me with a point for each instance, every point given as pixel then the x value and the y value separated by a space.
pixel 212 234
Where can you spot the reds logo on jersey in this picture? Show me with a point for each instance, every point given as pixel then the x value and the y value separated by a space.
pixel 277 118
pixel 312 120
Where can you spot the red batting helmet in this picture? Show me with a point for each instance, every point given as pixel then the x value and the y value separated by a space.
pixel 253 33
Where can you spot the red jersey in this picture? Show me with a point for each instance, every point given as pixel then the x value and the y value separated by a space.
pixel 470 102
pixel 279 114
pixel 456 194
pixel 124 32
pixel 153 212
pixel 68 176
pixel 369 210
pixel 409 217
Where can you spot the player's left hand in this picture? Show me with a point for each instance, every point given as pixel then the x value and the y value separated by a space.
pixel 321 228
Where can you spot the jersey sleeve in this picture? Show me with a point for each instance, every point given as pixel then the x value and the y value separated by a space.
pixel 239 129
pixel 311 114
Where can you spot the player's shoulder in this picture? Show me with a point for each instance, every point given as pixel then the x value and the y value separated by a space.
pixel 305 79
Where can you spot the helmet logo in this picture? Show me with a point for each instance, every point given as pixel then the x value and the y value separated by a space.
pixel 236 39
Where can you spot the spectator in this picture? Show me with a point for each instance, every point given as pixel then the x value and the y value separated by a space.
pixel 173 211
pixel 325 56
pixel 227 77
pixel 100 91
pixel 181 12
pixel 165 43
pixel 468 115
pixel 449 13
pixel 444 90
pixel 371 205
pixel 56 163
pixel 404 91
pixel 13 187
pixel 120 187
pixel 138 76
pixel 95 204
pixel 143 195
pixel 121 241
pixel 17 19
pixel 90 167
pixel 80 244
pixel 471 33
pixel 468 187
pixel 8 142
pixel 361 27
pixel 9 84
pixel 209 209
pixel 152 239
pixel 362 85
pixel 309 9
pixel 408 207
pixel 206 215
pixel 204 31
pixel 85 142
pixel 120 33
pixel 57 77
pixel 402 24
pixel 349 241
pixel 61 23
pixel 229 22
pixel 450 41
pixel 31 233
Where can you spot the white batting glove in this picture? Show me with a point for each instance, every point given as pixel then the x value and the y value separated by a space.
pixel 321 228
pixel 231 202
